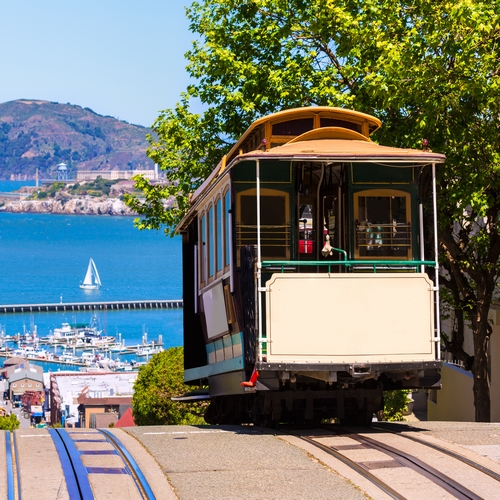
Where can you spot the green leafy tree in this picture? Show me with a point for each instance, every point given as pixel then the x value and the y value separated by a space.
pixel 157 382
pixel 9 423
pixel 428 69
pixel 395 405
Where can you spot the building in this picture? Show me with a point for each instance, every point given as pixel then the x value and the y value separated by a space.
pixel 91 175
pixel 19 376
pixel 455 400
pixel 90 399
pixel 25 379
pixel 101 412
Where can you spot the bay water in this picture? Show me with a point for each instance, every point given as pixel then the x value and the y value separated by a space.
pixel 44 257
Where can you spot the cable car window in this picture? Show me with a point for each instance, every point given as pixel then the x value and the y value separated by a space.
pixel 227 235
pixel 293 127
pixel 383 224
pixel 211 242
pixel 203 249
pixel 332 122
pixel 219 250
pixel 274 221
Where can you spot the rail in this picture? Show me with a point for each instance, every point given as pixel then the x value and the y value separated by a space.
pixel 353 264
pixel 11 461
pixel 77 472
pixel 373 236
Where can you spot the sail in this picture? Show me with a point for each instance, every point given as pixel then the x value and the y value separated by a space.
pixel 92 279
pixel 97 279
pixel 88 277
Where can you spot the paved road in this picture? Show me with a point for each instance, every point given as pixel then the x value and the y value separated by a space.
pixel 225 462
pixel 232 462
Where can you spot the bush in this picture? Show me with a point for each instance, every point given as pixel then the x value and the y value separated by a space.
pixel 157 382
pixel 395 404
pixel 9 423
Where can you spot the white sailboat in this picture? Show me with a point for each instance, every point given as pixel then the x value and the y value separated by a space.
pixel 92 280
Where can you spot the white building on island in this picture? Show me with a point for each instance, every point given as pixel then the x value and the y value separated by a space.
pixel 91 175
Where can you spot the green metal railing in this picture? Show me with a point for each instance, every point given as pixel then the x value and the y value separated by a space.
pixel 349 264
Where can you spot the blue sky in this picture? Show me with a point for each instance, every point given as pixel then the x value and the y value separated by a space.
pixel 122 58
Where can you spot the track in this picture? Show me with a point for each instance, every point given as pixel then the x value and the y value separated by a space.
pixel 461 458
pixel 404 467
pixel 95 465
pixel 13 478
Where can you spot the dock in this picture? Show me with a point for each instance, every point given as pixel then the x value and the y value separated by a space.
pixel 92 306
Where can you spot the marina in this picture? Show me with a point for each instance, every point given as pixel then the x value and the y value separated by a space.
pixel 79 345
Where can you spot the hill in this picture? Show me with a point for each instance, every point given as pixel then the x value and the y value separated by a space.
pixel 39 135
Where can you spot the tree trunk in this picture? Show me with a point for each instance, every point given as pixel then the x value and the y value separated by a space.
pixel 481 382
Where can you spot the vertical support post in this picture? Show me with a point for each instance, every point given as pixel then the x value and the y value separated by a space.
pixel 421 233
pixel 229 214
pixel 436 258
pixel 195 279
pixel 319 223
pixel 259 260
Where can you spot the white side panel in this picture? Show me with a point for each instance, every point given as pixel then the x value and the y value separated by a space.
pixel 385 317
pixel 215 311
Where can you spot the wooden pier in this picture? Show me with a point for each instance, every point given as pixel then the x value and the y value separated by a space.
pixel 92 306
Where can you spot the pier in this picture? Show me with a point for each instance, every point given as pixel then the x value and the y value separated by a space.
pixel 92 306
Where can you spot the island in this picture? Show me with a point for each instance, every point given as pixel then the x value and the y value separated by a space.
pixel 97 197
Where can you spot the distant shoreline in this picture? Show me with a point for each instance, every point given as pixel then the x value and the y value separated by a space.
pixel 76 206
pixel 58 198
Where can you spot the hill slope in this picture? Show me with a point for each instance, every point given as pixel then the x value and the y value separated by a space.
pixel 41 134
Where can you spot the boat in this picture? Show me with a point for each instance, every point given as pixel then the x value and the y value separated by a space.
pixel 30 352
pixel 149 350
pixel 92 280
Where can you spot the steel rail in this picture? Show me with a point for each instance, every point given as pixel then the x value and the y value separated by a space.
pixel 132 466
pixel 11 488
pixel 75 473
pixel 353 465
pixel 465 460
pixel 414 463
pixel 18 470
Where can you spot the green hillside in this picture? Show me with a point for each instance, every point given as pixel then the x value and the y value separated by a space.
pixel 39 135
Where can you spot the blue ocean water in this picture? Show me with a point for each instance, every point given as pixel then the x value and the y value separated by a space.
pixel 44 257
pixel 7 186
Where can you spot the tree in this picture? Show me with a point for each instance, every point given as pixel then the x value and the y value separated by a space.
pixel 157 382
pixel 9 423
pixel 428 69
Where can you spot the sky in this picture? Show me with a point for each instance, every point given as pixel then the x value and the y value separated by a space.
pixel 122 58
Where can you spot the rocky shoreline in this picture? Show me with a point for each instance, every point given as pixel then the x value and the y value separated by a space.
pixel 87 199
pixel 86 205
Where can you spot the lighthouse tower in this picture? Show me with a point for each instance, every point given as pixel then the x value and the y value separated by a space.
pixel 62 172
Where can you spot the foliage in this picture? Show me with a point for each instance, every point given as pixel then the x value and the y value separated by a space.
pixel 158 381
pixel 395 405
pixel 97 187
pixel 427 69
pixel 9 423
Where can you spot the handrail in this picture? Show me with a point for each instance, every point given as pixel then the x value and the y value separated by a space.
pixel 348 263
pixel 340 250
